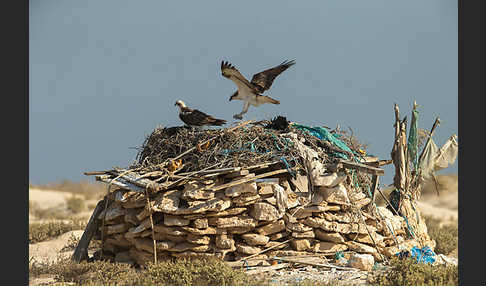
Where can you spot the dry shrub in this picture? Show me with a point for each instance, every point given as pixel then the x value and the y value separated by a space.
pixel 49 213
pixel 407 272
pixel 84 273
pixel 446 236
pixel 309 282
pixel 85 188
pixel 198 272
pixel 75 204
pixel 42 231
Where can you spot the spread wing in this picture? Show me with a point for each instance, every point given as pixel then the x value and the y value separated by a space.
pixel 263 80
pixel 195 117
pixel 230 72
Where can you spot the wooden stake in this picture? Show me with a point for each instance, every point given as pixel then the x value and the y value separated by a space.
pixel 81 251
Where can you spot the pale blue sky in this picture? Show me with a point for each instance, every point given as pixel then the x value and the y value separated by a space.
pixel 104 73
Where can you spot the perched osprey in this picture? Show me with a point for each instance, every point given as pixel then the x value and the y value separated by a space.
pixel 250 92
pixel 194 117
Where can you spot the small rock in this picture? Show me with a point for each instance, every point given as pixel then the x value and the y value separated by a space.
pixel 361 261
pixel 241 189
pixel 265 188
pixel 265 212
pixel 279 235
pixel 360 247
pixel 224 241
pixel 247 249
pixel 329 180
pixel 300 244
pixel 329 236
pixel 200 223
pixel 329 247
pixel 192 190
pixel 167 202
pixel 272 228
pixel 337 194
pixel 170 220
pixel 235 221
pixel 255 239
pixel 305 234
pixel 196 239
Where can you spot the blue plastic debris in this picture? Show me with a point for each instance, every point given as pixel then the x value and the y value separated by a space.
pixel 421 255
pixel 338 254
pixel 323 134
pixel 425 254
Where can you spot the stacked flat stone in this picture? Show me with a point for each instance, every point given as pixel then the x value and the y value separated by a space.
pixel 246 219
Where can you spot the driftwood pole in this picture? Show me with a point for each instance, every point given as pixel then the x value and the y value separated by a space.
pixel 81 251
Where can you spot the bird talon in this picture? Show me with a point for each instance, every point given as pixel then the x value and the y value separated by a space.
pixel 237 116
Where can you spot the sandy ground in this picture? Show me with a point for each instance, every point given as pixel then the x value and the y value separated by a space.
pixel 49 198
pixel 443 207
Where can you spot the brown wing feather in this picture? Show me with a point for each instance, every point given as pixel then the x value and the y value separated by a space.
pixel 231 72
pixel 263 80
pixel 195 117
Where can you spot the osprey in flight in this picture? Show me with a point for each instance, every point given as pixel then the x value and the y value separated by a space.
pixel 250 92
pixel 194 117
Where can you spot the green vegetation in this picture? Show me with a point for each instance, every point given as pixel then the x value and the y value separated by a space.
pixel 408 272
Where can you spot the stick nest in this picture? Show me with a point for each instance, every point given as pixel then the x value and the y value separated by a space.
pixel 243 147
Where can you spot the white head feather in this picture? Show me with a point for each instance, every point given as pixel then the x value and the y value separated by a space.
pixel 180 103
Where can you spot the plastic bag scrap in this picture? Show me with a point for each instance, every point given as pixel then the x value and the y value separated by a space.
pixel 434 159
pixel 421 255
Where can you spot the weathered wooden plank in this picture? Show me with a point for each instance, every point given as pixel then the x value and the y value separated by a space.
pixel 262 165
pixel 379 163
pixel 244 180
pixel 236 174
pixel 303 261
pixel 81 251
pixel 96 173
pixel 370 159
pixel 362 167
pixel 374 186
pixel 262 269
pixel 213 171
pixel 120 183
pixel 223 171
pixel 137 180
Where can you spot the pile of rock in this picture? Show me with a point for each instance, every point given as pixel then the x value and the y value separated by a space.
pixel 273 193
pixel 259 212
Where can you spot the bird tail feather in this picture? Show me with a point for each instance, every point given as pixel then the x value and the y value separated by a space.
pixel 218 122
